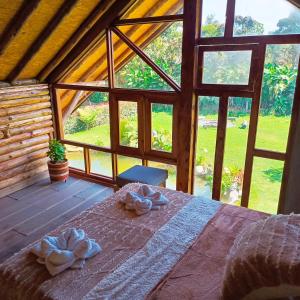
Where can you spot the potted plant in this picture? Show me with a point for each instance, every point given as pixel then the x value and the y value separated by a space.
pixel 58 164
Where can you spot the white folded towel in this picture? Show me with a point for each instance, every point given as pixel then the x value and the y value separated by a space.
pixel 144 200
pixel 69 250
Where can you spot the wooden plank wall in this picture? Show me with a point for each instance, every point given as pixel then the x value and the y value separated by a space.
pixel 25 127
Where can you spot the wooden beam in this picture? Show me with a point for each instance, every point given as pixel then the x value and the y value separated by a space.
pixel 110 59
pixel 295 117
pixel 13 27
pixel 230 11
pixel 253 127
pixel 75 38
pixel 147 60
pixel 63 10
pixel 220 147
pixel 269 154
pixel 90 38
pixel 186 128
pixel 149 20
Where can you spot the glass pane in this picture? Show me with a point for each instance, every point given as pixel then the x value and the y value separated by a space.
pixel 239 110
pixel 226 67
pixel 161 126
pixel 266 184
pixel 145 8
pixel 89 123
pixel 279 80
pixel 171 181
pixel 213 18
pixel 126 162
pixel 208 108
pixel 92 69
pixel 132 72
pixel 165 49
pixel 128 123
pixel 101 163
pixel 75 157
pixel 260 17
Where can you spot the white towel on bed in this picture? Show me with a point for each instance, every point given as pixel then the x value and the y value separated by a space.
pixel 144 200
pixel 68 250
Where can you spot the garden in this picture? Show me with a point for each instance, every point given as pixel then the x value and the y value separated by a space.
pixel 90 122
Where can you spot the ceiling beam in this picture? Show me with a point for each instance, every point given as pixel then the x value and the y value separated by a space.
pixel 90 38
pixel 13 27
pixel 63 10
pixel 95 15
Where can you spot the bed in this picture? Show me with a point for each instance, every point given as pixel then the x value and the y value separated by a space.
pixel 177 252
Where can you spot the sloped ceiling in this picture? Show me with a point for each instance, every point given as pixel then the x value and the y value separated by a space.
pixel 66 17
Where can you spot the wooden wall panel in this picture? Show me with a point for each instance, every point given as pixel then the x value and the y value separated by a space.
pixel 25 128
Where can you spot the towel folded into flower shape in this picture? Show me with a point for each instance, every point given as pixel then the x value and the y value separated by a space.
pixel 68 250
pixel 144 200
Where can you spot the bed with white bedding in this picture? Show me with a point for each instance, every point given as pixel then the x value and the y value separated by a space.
pixel 176 252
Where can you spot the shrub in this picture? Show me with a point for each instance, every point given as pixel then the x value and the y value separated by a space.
pixel 128 134
pixel 162 140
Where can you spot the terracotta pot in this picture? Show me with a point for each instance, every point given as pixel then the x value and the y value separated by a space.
pixel 58 171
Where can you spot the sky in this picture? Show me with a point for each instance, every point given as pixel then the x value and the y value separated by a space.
pixel 268 12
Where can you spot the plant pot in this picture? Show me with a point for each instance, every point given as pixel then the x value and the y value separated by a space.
pixel 58 171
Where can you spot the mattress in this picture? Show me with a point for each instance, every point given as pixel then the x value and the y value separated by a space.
pixel 176 252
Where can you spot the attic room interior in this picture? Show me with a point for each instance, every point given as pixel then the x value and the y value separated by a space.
pixel 149 149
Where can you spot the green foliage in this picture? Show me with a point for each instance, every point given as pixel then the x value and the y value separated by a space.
pixel 247 26
pixel 162 140
pixel 229 177
pixel 56 151
pixel 128 134
pixel 289 25
pixel 96 98
pixel 278 89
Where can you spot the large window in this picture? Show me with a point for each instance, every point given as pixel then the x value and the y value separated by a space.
pixel 161 127
pixel 89 123
pixel 278 88
pixel 213 18
pixel 261 17
pixel 226 67
pixel 128 124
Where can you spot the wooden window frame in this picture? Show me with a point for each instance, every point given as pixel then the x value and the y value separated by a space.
pixel 227 87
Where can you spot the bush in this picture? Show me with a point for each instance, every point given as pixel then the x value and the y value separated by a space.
pixel 162 140
pixel 128 134
pixel 73 125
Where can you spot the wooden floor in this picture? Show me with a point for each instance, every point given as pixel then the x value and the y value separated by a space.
pixel 30 213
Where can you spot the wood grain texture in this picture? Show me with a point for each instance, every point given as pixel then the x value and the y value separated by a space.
pixel 25 127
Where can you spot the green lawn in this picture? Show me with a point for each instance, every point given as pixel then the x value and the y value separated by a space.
pixel 266 177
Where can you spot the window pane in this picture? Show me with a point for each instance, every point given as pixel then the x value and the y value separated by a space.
pixel 279 81
pixel 75 157
pixel 90 123
pixel 260 17
pixel 213 18
pixel 101 163
pixel 126 162
pixel 162 123
pixel 92 69
pixel 165 49
pixel 235 149
pixel 226 67
pixel 128 124
pixel 132 72
pixel 208 108
pixel 265 185
pixel 144 8
pixel 171 181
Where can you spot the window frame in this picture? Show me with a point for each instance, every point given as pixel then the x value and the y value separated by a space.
pixel 227 87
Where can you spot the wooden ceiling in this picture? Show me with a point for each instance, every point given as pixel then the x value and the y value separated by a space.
pixel 50 40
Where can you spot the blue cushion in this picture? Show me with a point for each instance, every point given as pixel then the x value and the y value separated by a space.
pixel 147 175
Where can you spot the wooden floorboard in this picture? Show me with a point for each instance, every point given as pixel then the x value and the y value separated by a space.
pixel 28 214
